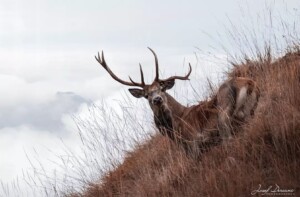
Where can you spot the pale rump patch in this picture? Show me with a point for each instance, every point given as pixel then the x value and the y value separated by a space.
pixel 240 103
pixel 241 97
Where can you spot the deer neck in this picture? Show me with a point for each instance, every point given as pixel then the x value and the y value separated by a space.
pixel 175 107
pixel 166 117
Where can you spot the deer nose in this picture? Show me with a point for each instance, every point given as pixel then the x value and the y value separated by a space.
pixel 157 100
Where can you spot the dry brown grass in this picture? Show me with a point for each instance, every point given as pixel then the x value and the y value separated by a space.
pixel 265 151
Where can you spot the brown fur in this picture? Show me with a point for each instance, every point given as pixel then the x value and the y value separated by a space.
pixel 237 98
pixel 200 126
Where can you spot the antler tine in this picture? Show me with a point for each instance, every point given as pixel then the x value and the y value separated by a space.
pixel 156 65
pixel 102 62
pixel 137 84
pixel 186 77
pixel 98 58
pixel 142 75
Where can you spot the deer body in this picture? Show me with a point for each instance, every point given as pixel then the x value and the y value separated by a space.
pixel 196 125
pixel 237 98
pixel 191 127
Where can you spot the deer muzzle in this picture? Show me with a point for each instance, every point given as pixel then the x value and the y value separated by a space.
pixel 157 100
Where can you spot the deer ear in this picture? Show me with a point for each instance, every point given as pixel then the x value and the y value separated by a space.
pixel 138 93
pixel 168 84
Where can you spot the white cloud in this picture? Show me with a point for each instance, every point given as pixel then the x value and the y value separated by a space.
pixel 42 116
pixel 17 141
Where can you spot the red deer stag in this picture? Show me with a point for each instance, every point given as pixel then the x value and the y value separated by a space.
pixel 192 126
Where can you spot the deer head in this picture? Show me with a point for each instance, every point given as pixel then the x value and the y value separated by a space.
pixel 155 93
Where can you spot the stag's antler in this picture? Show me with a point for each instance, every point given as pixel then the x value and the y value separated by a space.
pixel 186 77
pixel 102 62
pixel 156 65
pixel 170 78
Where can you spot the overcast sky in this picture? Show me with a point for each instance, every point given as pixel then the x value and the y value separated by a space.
pixel 48 72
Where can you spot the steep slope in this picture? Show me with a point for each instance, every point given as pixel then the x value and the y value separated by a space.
pixel 265 151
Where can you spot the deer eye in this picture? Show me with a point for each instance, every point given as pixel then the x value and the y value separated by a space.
pixel 146 96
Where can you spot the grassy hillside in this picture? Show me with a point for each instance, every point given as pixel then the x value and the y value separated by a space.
pixel 265 151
